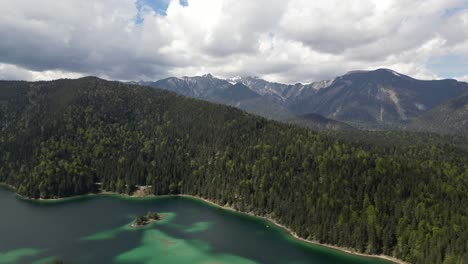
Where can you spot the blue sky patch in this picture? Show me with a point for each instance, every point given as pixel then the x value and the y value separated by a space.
pixel 449 66
pixel 159 6
pixel 453 11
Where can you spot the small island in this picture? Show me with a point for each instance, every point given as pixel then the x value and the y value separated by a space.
pixel 147 219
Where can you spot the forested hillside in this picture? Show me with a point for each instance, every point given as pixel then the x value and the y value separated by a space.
pixel 406 200
pixel 450 117
pixel 320 123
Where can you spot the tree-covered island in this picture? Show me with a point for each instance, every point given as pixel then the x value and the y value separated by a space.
pixel 144 220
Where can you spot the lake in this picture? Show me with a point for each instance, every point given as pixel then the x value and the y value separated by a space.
pixel 95 229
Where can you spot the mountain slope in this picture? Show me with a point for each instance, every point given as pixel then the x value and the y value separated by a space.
pixel 377 99
pixel 449 118
pixel 216 90
pixel 210 88
pixel 198 87
pixel 279 91
pixel 59 138
pixel 318 122
pixel 381 99
pixel 234 94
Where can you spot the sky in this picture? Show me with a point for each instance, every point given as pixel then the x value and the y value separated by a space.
pixel 286 41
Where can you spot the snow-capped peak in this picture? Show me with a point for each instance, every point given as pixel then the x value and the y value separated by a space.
pixel 392 72
pixel 234 80
pixel 321 84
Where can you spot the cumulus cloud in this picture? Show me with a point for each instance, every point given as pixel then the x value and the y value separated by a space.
pixel 281 40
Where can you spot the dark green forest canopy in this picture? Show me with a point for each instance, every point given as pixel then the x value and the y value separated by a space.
pixel 401 197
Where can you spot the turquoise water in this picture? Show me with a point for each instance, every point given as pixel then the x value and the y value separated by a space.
pixel 96 230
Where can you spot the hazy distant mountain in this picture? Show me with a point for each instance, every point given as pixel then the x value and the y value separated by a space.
pixel 199 86
pixel 210 88
pixel 447 118
pixel 377 99
pixel 282 92
pixel 261 86
pixel 250 94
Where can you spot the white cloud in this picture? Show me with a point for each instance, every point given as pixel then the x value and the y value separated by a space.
pixel 288 41
pixel 463 78
pixel 13 72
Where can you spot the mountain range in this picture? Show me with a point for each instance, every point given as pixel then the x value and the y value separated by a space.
pixel 375 100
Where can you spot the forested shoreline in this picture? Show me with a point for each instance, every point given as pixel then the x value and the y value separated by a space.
pixel 404 200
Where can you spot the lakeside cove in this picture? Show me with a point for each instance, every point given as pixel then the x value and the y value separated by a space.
pixel 270 224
